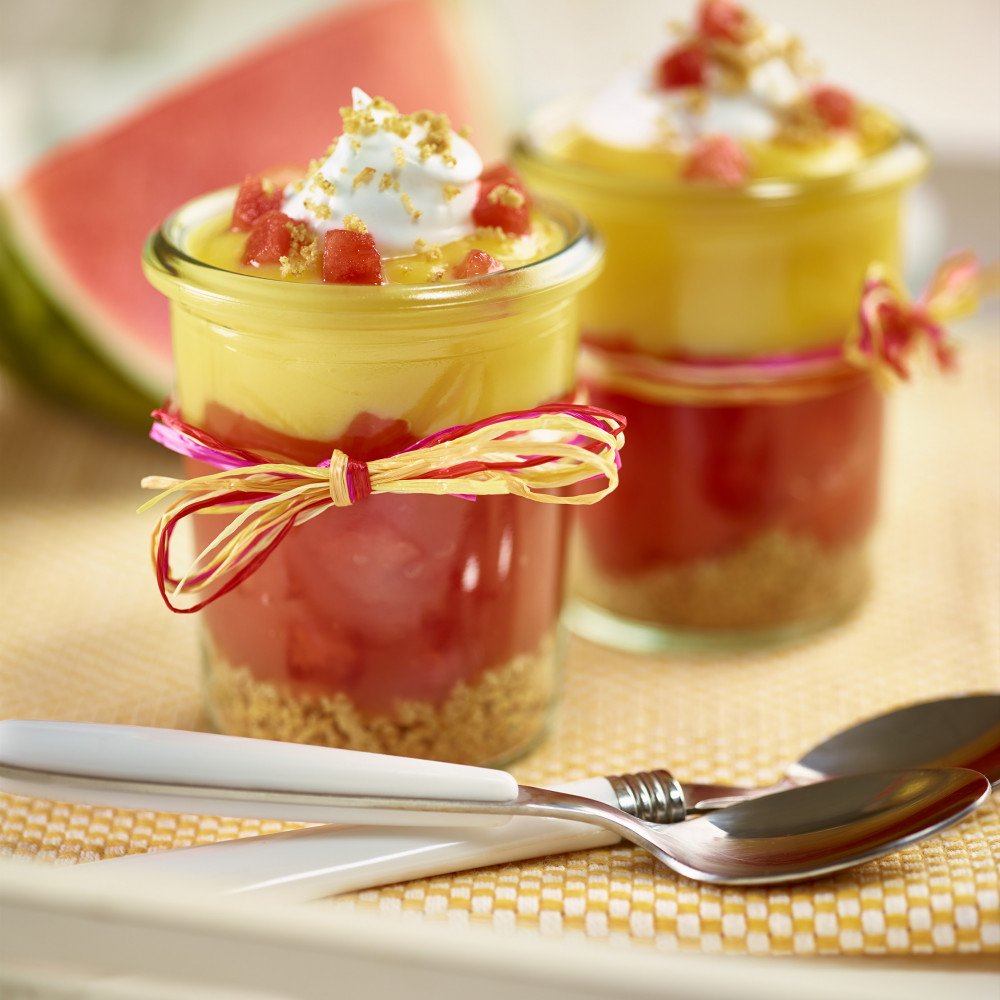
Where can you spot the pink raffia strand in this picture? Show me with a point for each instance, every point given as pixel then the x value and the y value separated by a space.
pixel 890 330
pixel 529 453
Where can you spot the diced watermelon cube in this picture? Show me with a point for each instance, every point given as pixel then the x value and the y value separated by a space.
pixel 476 263
pixel 270 239
pixel 504 173
pixel 351 258
pixel 683 66
pixel 255 197
pixel 835 106
pixel 723 20
pixel 504 201
pixel 717 158
pixel 505 207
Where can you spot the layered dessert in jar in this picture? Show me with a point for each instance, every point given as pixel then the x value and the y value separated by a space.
pixel 743 200
pixel 393 290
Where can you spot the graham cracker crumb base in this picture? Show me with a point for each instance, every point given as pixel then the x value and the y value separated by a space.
pixel 777 579
pixel 489 722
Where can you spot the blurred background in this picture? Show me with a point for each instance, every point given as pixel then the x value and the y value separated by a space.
pixel 69 65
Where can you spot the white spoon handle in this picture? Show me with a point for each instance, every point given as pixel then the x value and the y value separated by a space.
pixel 318 861
pixel 171 770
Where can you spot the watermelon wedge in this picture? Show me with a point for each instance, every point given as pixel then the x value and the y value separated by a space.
pixel 77 318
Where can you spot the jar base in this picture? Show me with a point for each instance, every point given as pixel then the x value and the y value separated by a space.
pixel 489 723
pixel 605 628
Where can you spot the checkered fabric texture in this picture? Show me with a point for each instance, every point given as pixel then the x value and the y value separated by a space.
pixel 85 637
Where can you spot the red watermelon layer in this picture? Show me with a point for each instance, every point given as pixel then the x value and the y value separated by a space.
pixel 79 218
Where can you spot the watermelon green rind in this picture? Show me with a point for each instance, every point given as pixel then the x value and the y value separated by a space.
pixel 44 348
pixel 81 321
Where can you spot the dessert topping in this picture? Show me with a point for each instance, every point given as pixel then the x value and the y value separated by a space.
pixel 683 66
pixel 730 73
pixel 724 20
pixel 350 257
pixel 717 158
pixel 270 239
pixel 256 196
pixel 397 167
pixel 835 106
pixel 503 202
pixel 395 198
pixel 476 263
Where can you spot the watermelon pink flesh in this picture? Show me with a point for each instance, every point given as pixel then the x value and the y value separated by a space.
pixel 80 217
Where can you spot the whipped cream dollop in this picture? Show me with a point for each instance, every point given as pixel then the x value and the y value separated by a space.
pixel 636 112
pixel 738 79
pixel 403 177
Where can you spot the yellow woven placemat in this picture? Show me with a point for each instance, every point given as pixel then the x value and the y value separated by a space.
pixel 83 635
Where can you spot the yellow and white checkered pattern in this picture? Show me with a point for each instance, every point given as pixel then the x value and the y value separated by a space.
pixel 85 637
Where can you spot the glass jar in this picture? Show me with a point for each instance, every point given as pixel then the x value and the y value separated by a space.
pixel 715 306
pixel 418 625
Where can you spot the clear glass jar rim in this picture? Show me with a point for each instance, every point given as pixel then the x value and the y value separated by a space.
pixel 574 264
pixel 905 161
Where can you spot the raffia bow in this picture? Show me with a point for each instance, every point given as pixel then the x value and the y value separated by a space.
pixel 527 453
pixel 890 331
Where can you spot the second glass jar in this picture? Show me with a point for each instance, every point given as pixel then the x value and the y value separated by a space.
pixel 749 482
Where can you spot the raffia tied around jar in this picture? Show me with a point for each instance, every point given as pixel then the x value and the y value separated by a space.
pixel 533 454
pixel 889 334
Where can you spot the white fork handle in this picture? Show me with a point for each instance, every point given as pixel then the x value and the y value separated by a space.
pixel 136 767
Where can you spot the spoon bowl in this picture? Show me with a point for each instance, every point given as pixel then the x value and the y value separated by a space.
pixel 822 828
pixel 949 732
pixel 789 836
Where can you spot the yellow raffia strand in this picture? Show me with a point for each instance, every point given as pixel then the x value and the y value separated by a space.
pixel 958 287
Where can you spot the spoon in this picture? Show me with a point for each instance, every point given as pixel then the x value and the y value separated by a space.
pixel 790 835
pixel 949 732
pixel 960 732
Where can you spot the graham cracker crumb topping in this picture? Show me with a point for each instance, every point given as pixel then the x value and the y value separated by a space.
pixel 437 129
pixel 503 194
pixel 354 224
pixel 322 183
pixel 365 176
pixel 320 210
pixel 432 251
pixel 304 251
pixel 409 206
pixel 800 125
